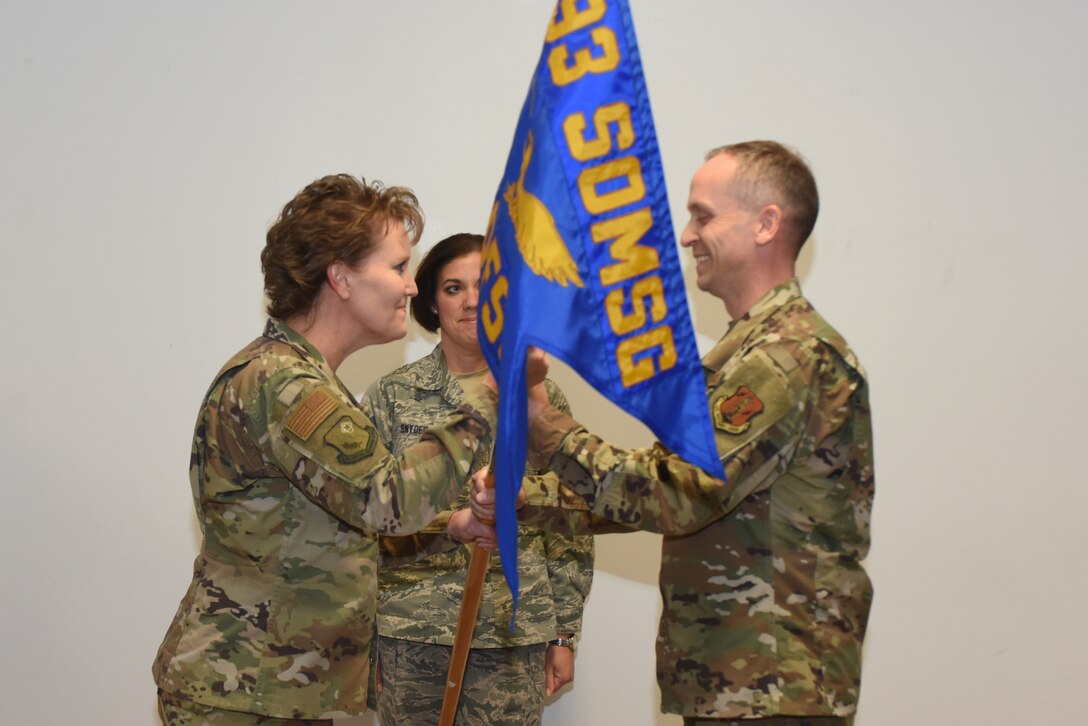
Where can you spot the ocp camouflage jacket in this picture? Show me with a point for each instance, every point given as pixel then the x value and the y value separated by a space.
pixel 289 479
pixel 765 598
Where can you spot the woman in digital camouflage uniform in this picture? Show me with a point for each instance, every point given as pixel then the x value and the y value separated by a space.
pixel 289 475
pixel 421 578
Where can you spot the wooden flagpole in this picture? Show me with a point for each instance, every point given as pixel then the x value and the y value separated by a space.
pixel 466 624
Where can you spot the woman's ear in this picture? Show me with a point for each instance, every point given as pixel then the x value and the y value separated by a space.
pixel 337 276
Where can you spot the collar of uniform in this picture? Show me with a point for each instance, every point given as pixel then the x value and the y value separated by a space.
pixel 434 375
pixel 279 330
pixel 431 371
pixel 739 329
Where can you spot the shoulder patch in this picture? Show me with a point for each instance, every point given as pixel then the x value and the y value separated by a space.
pixel 353 442
pixel 317 407
pixel 733 414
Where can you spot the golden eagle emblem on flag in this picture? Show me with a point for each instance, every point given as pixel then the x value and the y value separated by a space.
pixel 541 245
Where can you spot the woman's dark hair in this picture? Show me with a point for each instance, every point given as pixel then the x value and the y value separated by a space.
pixel 337 218
pixel 423 304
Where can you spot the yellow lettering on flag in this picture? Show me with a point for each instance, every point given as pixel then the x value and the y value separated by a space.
pixel 646 288
pixel 627 168
pixel 584 149
pixel 564 73
pixel 632 259
pixel 573 18
pixel 632 371
pixel 491 309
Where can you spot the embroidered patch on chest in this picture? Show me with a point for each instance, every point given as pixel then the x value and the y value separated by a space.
pixel 317 407
pixel 352 441
pixel 734 414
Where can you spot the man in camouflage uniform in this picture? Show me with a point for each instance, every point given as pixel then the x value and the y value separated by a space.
pixel 288 476
pixel 421 581
pixel 765 598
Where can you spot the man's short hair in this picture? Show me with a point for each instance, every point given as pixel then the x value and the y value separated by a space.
pixel 771 173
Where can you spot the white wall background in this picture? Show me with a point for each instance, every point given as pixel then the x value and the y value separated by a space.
pixel 145 147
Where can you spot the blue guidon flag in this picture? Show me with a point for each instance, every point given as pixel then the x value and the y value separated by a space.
pixel 580 257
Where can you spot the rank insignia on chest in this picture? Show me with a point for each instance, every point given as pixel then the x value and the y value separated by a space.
pixel 734 414
pixel 353 441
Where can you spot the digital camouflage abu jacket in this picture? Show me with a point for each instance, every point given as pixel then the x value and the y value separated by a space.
pixel 422 577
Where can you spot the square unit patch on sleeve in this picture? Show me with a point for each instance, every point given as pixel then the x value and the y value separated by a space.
pixel 317 407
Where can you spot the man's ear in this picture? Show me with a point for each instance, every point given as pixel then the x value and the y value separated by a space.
pixel 769 223
pixel 336 274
